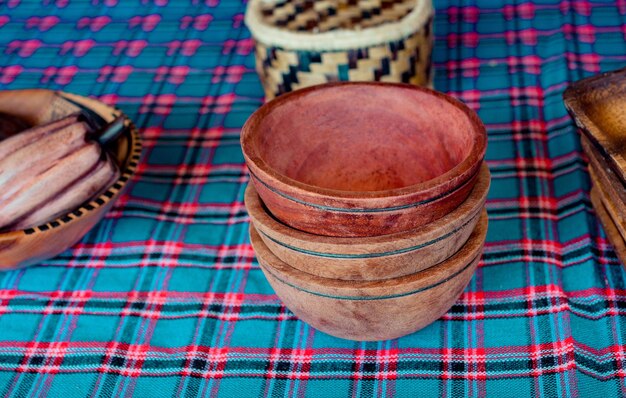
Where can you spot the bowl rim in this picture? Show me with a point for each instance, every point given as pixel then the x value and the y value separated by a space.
pixel 128 169
pixel 469 254
pixel 475 155
pixel 330 246
pixel 339 39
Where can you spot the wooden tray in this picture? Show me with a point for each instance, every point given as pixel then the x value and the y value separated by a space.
pixel 598 106
pixel 609 227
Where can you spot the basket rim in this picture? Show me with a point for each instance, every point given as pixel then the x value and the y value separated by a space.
pixel 341 39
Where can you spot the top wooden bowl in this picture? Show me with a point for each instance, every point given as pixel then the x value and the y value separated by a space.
pixel 38 106
pixel 363 159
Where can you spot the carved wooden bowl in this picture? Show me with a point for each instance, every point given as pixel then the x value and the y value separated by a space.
pixel 376 257
pixel 363 159
pixel 31 246
pixel 372 310
pixel 598 106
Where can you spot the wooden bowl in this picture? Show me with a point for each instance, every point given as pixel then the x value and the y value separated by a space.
pixel 31 246
pixel 372 310
pixel 371 258
pixel 363 159
pixel 598 106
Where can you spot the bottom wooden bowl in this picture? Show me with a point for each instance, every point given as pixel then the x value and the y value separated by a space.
pixel 373 310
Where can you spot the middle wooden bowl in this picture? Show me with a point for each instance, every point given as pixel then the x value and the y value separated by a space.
pixel 363 159
pixel 376 257
pixel 373 310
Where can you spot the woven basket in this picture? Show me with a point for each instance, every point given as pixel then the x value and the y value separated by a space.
pixel 301 43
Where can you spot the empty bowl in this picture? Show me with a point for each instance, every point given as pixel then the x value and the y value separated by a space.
pixel 372 310
pixel 363 159
pixel 370 258
pixel 33 245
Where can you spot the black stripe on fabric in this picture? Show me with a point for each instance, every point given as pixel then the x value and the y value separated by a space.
pixel 538 211
pixel 342 369
pixel 165 174
pixel 532 167
pixel 490 310
pixel 195 216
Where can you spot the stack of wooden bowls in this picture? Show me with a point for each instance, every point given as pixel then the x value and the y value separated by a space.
pixel 598 105
pixel 367 204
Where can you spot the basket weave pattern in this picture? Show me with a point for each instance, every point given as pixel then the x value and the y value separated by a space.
pixel 406 59
pixel 325 15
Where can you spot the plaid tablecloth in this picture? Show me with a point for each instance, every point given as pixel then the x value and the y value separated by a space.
pixel 165 297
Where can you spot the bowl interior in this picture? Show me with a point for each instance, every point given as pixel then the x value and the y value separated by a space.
pixel 602 100
pixel 364 137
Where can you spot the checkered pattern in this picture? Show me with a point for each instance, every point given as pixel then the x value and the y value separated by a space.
pixel 165 297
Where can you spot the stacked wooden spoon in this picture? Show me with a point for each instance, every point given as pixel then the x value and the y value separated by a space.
pixel 598 106
pixel 367 204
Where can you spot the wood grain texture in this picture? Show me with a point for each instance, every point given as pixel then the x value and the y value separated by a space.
pixel 604 175
pixel 373 310
pixel 365 159
pixel 610 229
pixel 613 209
pixel 598 106
pixel 370 258
pixel 607 184
pixel 37 106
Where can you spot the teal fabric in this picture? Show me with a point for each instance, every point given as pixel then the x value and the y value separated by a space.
pixel 165 297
